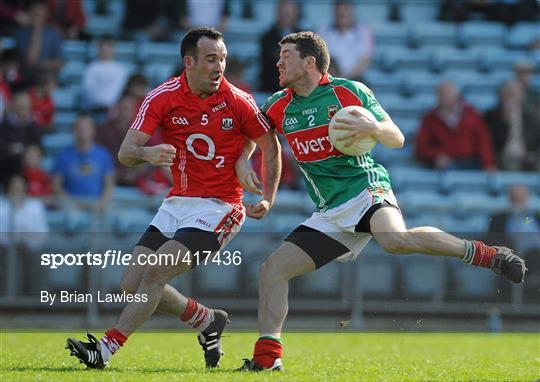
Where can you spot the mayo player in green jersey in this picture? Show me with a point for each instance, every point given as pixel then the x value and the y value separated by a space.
pixel 353 194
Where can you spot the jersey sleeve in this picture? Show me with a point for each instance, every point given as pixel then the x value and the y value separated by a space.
pixel 253 122
pixel 150 114
pixel 368 100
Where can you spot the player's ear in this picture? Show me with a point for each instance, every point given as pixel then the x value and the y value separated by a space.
pixel 189 62
pixel 311 61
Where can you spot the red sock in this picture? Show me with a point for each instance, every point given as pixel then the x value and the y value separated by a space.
pixel 483 254
pixel 267 350
pixel 113 339
pixel 197 316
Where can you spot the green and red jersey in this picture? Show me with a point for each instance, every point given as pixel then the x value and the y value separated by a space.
pixel 332 178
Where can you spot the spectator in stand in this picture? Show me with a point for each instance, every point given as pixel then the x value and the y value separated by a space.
pixel 151 20
pixel 39 181
pixel 515 130
pixel 112 133
pixel 41 97
pixel 104 79
pixel 84 173
pixel 350 43
pixel 453 134
pixel 40 43
pixel 155 180
pixel 196 13
pixel 286 23
pixel 235 74
pixel 69 17
pixel 17 130
pixel 524 71
pixel 11 78
pixel 137 86
pixel 12 15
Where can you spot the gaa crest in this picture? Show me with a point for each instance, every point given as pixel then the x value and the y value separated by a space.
pixel 226 123
pixel 332 109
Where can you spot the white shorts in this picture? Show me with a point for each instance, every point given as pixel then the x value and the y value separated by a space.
pixel 207 214
pixel 339 222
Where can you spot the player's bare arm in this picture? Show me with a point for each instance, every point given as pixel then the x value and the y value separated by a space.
pixel 134 152
pixel 359 127
pixel 271 173
pixel 244 172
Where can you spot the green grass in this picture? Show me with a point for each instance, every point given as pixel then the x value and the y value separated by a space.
pixel 307 357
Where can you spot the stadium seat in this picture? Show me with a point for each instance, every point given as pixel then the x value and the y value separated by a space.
pixel 102 25
pixel 472 283
pixel 423 277
pixel 132 220
pixel 157 72
pixel 7 42
pixel 57 141
pixel 404 178
pixel 418 201
pixel 376 277
pixel 448 58
pixel 75 50
pixel 522 35
pixel 216 279
pixel 66 98
pixel 125 51
pixel 390 34
pixel 433 34
pixel 471 223
pixel 380 81
pixel 402 58
pixel 503 180
pixel 72 72
pixel 315 14
pixel 465 180
pixel 63 120
pixel 418 11
pixel 481 100
pixel 165 52
pixel 468 203
pixel 493 60
pixel 420 82
pixel 482 33
pixel 326 281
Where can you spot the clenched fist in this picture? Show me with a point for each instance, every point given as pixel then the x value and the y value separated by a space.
pixel 160 155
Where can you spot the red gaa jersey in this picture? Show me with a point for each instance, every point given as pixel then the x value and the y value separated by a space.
pixel 208 135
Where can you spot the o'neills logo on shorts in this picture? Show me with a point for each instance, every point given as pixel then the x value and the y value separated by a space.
pixel 312 144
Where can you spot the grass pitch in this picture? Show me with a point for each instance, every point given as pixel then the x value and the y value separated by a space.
pixel 307 357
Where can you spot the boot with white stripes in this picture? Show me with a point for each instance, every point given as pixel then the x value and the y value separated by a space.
pixel 88 353
pixel 210 338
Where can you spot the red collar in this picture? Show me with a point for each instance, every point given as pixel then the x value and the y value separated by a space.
pixel 326 79
pixel 224 86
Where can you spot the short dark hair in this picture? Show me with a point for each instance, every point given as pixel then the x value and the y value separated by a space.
pixel 188 46
pixel 310 44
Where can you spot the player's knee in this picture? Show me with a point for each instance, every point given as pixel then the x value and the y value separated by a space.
pixel 153 275
pixel 270 273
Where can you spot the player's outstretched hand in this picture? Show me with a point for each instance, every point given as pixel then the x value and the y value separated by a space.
pixel 248 177
pixel 160 155
pixel 258 210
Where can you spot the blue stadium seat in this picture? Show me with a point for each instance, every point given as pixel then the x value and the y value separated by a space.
pixel 286 222
pixel 132 220
pixel 376 276
pixel 216 279
pixel 419 11
pixel 389 157
pixel 472 223
pixel 402 58
pixel 102 25
pixel 468 202
pixel 166 52
pixel 125 51
pixel 434 33
pixel 127 194
pixel 316 14
pixel 482 33
pixel 503 180
pixel 471 282
pixel 404 178
pixel 481 100
pixel 493 60
pixel 447 58
pixel 382 81
pixel 420 82
pixel 157 72
pixel 328 280
pixel 430 219
pixel 57 141
pixel 423 277
pixel 420 201
pixel 390 34
pixel 7 42
pixel 75 50
pixel 522 35
pixel 66 98
pixel 64 119
pixel 372 13
pixel 72 72
pixel 465 180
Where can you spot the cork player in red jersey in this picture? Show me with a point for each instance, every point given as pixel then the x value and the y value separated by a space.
pixel 208 126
